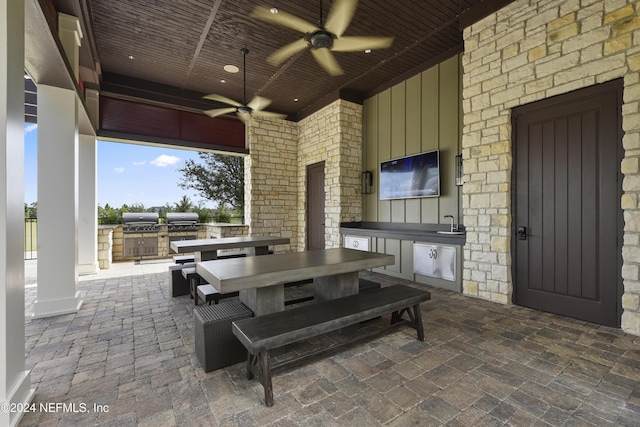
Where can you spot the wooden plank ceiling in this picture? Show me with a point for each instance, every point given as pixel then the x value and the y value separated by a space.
pixel 172 52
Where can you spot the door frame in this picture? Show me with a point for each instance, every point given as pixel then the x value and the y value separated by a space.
pixel 616 86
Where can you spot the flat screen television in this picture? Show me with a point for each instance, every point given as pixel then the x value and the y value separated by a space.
pixel 411 176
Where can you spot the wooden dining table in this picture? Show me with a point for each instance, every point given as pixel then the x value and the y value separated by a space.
pixel 207 249
pixel 260 280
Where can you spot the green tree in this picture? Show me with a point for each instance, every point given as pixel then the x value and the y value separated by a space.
pixel 135 207
pixel 31 211
pixel 219 178
pixel 109 215
pixel 184 205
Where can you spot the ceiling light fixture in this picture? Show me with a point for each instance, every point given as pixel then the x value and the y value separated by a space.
pixel 231 69
pixel 295 99
pixel 131 57
pixel 223 81
pixel 273 10
pixel 368 51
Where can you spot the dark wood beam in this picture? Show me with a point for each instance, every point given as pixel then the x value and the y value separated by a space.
pixel 481 10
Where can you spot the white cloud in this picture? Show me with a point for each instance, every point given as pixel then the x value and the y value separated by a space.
pixel 164 161
pixel 30 128
pixel 118 170
pixel 141 163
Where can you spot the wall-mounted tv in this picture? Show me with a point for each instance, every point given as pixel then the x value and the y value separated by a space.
pixel 411 176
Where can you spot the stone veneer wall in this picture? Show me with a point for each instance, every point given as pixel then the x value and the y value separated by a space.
pixel 275 172
pixel 528 51
pixel 271 179
pixel 105 245
pixel 332 135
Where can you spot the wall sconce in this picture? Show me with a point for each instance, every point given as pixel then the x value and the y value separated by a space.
pixel 367 182
pixel 459 171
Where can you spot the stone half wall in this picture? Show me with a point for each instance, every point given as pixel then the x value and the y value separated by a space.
pixel 275 172
pixel 528 51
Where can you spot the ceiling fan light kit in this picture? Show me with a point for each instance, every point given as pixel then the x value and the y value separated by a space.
pixel 321 39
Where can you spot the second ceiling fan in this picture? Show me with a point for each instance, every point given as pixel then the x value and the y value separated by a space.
pixel 244 110
pixel 323 39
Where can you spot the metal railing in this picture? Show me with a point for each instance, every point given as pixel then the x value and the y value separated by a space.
pixel 30 238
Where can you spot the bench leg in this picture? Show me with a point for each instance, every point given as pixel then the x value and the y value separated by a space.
pixel 417 314
pixel 415 319
pixel 193 289
pixel 266 378
pixel 259 365
pixel 251 360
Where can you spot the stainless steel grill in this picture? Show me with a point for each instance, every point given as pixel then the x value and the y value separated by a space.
pixel 182 221
pixel 140 222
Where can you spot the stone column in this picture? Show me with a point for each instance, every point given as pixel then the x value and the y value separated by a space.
pixel 15 380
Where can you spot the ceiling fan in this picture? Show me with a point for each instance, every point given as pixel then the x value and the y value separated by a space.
pixel 244 110
pixel 324 39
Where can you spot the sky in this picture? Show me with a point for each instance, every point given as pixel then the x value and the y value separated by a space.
pixel 127 173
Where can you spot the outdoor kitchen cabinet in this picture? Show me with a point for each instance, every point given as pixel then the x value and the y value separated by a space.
pixel 437 261
pixel 140 246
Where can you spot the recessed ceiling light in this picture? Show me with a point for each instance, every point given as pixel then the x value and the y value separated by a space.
pixel 131 57
pixel 367 51
pixel 223 81
pixel 231 69
pixel 274 10
pixel 295 99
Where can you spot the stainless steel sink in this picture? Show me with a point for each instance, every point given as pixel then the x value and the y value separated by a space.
pixel 456 233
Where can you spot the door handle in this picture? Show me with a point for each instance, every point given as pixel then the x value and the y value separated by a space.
pixel 522 233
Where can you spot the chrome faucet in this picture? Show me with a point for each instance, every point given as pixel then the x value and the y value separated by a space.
pixel 453 227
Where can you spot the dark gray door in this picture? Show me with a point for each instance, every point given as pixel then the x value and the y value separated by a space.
pixel 315 206
pixel 567 223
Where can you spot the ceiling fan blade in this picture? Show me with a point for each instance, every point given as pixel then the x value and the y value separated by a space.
pixel 327 61
pixel 283 18
pixel 223 99
pixel 351 44
pixel 258 103
pixel 286 52
pixel 219 111
pixel 269 114
pixel 340 16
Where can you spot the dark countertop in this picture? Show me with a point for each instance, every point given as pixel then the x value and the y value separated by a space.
pixel 402 231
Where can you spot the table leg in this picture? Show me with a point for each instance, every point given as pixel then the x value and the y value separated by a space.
pixel 205 256
pixel 261 301
pixel 336 286
pixel 258 250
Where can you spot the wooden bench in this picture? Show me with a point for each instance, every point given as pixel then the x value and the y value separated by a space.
pixel 184 259
pixel 204 291
pixel 208 293
pixel 260 335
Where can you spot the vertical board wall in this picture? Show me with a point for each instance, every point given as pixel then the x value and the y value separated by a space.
pixel 422 113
